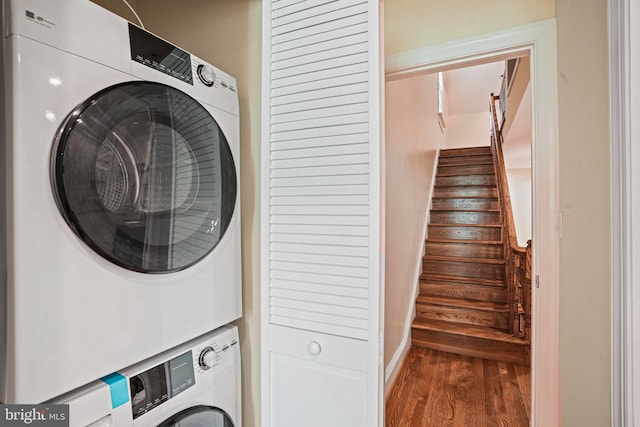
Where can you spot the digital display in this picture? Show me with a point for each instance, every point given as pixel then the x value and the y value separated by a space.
pixel 156 53
pixel 148 390
pixel 160 383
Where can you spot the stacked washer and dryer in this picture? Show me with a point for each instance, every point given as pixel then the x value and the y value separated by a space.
pixel 120 222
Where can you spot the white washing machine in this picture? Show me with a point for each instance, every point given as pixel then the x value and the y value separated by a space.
pixel 120 214
pixel 194 385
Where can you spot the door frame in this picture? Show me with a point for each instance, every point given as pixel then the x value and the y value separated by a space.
pixel 625 238
pixel 537 40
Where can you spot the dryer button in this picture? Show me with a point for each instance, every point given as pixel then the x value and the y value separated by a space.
pixel 206 74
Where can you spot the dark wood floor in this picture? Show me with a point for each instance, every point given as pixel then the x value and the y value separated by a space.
pixel 437 389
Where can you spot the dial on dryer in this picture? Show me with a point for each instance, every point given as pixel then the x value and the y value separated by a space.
pixel 206 74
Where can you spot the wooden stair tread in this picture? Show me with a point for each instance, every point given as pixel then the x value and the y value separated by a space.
pixel 449 198
pixel 466 330
pixel 465 187
pixel 463 210
pixel 462 259
pixel 462 279
pixel 486 180
pixel 473 242
pixel 465 151
pixel 463 303
pixel 462 173
pixel 468 249
pixel 464 290
pixel 461 192
pixel 465 225
pixel 440 186
pixel 468 160
pixel 490 185
pixel 439 197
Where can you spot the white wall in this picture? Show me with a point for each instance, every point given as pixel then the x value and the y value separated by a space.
pixel 412 140
pixel 412 24
pixel 585 247
pixel 520 190
pixel 517 160
pixel 468 130
pixel 119 8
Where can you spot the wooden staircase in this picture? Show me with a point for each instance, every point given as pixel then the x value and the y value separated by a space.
pixel 464 304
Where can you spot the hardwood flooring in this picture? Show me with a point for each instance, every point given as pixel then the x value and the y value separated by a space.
pixel 438 389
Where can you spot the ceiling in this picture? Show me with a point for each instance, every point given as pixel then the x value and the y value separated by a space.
pixel 467 92
pixel 467 89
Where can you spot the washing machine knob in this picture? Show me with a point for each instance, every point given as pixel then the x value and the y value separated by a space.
pixel 206 74
pixel 208 358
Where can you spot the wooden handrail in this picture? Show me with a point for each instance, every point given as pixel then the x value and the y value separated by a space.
pixel 514 255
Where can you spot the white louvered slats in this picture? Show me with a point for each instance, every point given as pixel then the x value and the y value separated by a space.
pixel 321 214
pixel 319 166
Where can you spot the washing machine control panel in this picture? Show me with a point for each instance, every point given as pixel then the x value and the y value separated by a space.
pixel 161 378
pixel 155 386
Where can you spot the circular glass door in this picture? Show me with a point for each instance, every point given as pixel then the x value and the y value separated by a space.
pixel 144 176
pixel 199 416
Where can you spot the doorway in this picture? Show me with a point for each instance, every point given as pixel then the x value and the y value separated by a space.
pixel 536 41
pixel 462 306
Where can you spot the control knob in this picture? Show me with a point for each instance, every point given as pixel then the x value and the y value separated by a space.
pixel 207 358
pixel 206 74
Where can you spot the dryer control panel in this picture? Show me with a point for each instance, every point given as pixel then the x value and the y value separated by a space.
pixel 160 55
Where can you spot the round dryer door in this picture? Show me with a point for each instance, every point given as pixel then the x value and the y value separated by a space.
pixel 143 174
pixel 199 416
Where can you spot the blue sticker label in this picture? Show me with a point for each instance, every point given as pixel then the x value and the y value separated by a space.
pixel 118 387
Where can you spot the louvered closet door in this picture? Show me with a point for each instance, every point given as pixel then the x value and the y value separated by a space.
pixel 321 214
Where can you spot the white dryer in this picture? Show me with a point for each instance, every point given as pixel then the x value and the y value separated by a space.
pixel 194 385
pixel 120 214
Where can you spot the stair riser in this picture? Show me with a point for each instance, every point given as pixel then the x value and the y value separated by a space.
pixel 465 269
pixel 461 290
pixel 465 250
pixel 462 217
pixel 490 319
pixel 465 180
pixel 464 204
pixel 465 233
pixel 472 346
pixel 473 151
pixel 465 170
pixel 465 192
pixel 485 159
